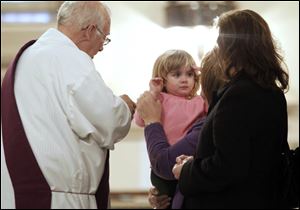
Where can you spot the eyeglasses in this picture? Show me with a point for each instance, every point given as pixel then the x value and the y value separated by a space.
pixel 106 39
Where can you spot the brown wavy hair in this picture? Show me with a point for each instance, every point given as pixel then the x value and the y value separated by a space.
pixel 246 44
pixel 211 78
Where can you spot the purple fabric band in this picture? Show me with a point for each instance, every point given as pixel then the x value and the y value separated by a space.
pixel 30 186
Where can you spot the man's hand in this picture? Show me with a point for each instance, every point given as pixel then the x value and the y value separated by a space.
pixel 130 103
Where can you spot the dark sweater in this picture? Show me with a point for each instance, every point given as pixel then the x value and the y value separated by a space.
pixel 237 160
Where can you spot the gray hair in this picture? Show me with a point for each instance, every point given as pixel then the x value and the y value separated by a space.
pixel 80 14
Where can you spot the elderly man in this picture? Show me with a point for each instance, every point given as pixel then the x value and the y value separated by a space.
pixel 59 119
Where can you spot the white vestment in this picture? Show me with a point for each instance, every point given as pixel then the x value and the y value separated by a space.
pixel 70 119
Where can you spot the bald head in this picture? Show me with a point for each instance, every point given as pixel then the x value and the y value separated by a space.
pixel 80 14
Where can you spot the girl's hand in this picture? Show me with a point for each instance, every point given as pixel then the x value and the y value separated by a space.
pixel 156 85
pixel 197 70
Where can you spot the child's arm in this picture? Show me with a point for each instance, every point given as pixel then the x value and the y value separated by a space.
pixel 156 85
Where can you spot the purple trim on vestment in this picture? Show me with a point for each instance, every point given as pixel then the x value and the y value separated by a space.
pixel 30 186
pixel 103 188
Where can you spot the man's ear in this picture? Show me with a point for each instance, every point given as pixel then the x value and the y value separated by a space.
pixel 88 32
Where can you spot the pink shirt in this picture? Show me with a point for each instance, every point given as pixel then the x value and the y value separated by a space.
pixel 178 115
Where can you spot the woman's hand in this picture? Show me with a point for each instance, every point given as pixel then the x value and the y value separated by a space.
pixel 180 161
pixel 158 201
pixel 149 108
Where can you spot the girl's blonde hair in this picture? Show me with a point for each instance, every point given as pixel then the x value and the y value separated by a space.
pixel 172 60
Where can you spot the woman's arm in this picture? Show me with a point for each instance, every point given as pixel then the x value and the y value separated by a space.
pixel 229 133
pixel 162 155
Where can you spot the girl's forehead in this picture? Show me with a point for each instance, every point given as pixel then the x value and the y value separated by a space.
pixel 182 69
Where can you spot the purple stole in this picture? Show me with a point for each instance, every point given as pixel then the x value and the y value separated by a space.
pixel 103 188
pixel 31 189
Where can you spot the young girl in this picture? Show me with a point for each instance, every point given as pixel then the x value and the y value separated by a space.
pixel 175 83
pixel 162 155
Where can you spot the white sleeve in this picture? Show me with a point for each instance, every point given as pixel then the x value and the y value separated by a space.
pixel 96 111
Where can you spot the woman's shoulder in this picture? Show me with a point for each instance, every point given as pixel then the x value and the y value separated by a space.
pixel 246 86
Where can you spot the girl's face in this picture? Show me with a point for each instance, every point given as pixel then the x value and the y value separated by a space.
pixel 180 82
